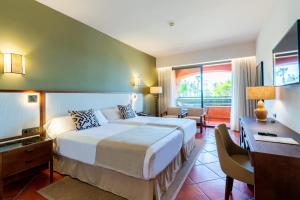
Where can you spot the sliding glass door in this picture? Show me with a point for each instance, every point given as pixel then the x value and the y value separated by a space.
pixel 206 86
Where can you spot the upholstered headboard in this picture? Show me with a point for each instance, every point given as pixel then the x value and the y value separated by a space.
pixel 16 113
pixel 58 104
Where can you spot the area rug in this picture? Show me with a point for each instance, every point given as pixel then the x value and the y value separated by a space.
pixel 73 189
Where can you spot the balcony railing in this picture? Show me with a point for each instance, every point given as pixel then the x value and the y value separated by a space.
pixel 207 101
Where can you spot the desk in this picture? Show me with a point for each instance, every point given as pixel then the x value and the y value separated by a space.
pixel 276 166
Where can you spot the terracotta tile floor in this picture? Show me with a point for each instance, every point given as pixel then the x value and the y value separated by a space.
pixel 205 181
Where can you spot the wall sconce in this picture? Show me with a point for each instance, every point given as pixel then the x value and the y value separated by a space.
pixel 14 63
pixel 136 81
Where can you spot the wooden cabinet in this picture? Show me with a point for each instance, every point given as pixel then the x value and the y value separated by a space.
pixel 25 155
pixel 276 166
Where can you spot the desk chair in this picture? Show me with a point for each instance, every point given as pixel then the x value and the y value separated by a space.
pixel 234 160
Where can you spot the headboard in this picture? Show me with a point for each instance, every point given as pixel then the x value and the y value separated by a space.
pixel 16 113
pixel 59 103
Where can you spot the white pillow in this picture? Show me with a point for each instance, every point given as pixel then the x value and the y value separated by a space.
pixel 111 113
pixel 101 118
pixel 59 125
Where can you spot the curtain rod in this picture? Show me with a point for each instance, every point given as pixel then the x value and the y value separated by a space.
pixel 206 63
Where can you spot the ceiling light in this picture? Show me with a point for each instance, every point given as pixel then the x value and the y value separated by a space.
pixel 171 24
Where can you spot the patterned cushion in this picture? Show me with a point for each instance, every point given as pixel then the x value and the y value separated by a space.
pixel 126 111
pixel 84 119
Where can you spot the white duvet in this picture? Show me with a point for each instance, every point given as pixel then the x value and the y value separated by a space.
pixel 81 146
pixel 188 127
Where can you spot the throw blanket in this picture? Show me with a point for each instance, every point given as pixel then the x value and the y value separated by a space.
pixel 125 152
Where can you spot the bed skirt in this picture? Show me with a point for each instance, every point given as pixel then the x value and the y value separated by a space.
pixel 187 149
pixel 117 183
pixel 121 184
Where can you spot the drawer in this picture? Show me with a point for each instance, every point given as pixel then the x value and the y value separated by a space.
pixel 25 158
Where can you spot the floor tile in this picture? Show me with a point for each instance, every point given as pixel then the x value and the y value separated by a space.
pixel 215 153
pixel 201 173
pixel 210 147
pixel 215 189
pixel 188 181
pixel 216 168
pixel 191 192
pixel 243 187
pixel 207 157
pixel 198 162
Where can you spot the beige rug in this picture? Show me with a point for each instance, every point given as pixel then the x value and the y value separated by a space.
pixel 73 189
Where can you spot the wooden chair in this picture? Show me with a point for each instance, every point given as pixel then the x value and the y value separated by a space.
pixel 234 160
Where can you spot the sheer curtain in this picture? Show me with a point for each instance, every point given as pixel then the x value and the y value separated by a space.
pixel 243 76
pixel 166 79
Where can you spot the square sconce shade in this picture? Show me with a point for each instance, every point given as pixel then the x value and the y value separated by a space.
pixel 14 63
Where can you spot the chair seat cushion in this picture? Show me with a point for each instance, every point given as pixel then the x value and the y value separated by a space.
pixel 170 116
pixel 244 161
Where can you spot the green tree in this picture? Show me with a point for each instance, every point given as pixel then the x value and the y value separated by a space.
pixel 223 89
pixel 183 88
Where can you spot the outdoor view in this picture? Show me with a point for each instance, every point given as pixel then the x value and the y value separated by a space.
pixel 216 91
pixel 217 86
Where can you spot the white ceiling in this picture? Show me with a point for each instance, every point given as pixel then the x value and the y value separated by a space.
pixel 143 24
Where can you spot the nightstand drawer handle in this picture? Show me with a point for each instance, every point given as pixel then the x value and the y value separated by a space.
pixel 29 150
pixel 28 161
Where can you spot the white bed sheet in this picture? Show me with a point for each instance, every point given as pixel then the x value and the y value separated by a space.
pixel 81 146
pixel 187 126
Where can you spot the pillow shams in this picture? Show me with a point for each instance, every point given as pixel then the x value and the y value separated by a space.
pixel 101 118
pixel 84 119
pixel 111 114
pixel 59 125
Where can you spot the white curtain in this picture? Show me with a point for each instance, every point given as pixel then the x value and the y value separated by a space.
pixel 166 79
pixel 243 76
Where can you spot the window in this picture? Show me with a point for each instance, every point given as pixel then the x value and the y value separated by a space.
pixel 188 87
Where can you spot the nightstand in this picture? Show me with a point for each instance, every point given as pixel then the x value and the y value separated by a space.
pixel 21 156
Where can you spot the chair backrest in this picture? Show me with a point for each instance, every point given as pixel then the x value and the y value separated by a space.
pixel 195 112
pixel 224 145
pixel 173 110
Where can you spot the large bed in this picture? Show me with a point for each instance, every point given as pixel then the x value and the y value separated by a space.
pixel 187 128
pixel 106 157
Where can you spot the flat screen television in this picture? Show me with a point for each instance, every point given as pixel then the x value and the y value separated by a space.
pixel 286 58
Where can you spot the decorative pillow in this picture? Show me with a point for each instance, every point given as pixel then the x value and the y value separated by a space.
pixel 126 111
pixel 84 119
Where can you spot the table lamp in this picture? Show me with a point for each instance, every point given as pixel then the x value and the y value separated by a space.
pixel 261 93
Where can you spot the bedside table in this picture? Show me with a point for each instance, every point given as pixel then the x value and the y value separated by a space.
pixel 24 155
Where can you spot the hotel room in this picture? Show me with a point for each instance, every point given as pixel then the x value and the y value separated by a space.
pixel 149 100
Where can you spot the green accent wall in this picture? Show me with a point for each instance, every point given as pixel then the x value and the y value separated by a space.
pixel 64 54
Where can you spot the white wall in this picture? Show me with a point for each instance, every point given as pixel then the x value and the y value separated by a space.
pixel 208 55
pixel 287 106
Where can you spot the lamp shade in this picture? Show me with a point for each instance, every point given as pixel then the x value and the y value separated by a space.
pixel 156 90
pixel 14 63
pixel 261 92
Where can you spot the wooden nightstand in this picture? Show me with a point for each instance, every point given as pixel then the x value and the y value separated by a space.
pixel 22 156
